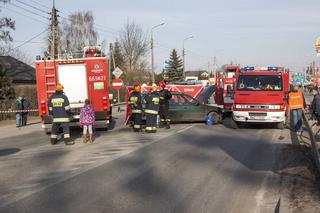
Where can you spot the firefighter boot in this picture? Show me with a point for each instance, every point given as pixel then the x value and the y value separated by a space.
pixel 167 125
pixel 53 141
pixel 90 138
pixel 84 138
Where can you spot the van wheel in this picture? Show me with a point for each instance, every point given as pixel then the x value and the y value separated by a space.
pixel 281 125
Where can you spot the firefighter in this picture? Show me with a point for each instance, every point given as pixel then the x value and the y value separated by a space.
pixel 165 96
pixel 59 108
pixel 152 108
pixel 135 102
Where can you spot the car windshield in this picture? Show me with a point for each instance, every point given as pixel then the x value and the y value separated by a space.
pixel 260 82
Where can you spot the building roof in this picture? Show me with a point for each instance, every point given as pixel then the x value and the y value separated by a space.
pixel 195 73
pixel 19 72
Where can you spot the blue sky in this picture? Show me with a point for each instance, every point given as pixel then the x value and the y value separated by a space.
pixel 249 32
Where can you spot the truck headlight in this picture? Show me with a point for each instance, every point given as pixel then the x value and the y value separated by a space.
pixel 238 106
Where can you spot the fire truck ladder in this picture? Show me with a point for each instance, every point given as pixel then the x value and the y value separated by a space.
pixel 50 78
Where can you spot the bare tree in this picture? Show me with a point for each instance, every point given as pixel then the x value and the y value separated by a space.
pixel 78 32
pixel 8 50
pixel 6 24
pixel 134 45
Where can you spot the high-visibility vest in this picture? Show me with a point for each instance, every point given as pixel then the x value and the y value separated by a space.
pixel 295 100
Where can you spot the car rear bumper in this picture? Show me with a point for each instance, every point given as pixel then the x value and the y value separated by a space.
pixel 257 117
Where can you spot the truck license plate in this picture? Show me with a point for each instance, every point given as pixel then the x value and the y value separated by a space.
pixel 257 117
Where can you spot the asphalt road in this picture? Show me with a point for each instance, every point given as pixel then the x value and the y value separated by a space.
pixel 190 168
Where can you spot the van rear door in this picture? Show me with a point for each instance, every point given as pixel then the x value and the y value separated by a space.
pixel 73 77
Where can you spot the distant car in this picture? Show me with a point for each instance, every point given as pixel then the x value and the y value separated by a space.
pixel 184 108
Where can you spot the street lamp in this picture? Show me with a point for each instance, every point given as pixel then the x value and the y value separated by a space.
pixel 152 57
pixel 183 55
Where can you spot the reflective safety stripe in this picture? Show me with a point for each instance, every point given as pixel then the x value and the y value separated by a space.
pixel 136 126
pixel 136 111
pixel 149 111
pixel 70 142
pixel 161 98
pixel 54 136
pixel 154 128
pixel 61 120
pixel 67 107
pixel 149 128
pixel 50 108
pixel 66 135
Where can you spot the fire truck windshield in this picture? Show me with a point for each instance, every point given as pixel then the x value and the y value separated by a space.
pixel 259 83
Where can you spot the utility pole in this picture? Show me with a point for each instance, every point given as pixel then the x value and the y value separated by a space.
pixel 152 53
pixel 54 32
pixel 183 56
pixel 215 66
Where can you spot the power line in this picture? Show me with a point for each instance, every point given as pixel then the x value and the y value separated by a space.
pixel 30 11
pixel 29 40
pixel 14 11
pixel 29 5
pixel 44 6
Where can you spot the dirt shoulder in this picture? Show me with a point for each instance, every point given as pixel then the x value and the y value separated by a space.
pixel 300 181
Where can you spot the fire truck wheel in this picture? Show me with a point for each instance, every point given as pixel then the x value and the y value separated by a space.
pixel 216 116
pixel 281 125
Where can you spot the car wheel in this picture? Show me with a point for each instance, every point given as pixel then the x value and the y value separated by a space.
pixel 216 116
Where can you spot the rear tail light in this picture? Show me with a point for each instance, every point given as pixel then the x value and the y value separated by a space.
pixel 282 107
pixel 105 103
pixel 43 107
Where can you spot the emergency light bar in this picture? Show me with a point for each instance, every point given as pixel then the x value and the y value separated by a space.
pixel 260 68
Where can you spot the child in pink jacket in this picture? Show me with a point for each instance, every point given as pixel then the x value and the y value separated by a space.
pixel 87 120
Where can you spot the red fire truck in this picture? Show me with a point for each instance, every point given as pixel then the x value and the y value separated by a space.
pixel 83 78
pixel 261 95
pixel 225 82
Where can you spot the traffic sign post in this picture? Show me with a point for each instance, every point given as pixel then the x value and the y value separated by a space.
pixel 117 84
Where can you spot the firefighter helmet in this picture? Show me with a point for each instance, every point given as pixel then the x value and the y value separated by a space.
pixel 154 87
pixel 59 87
pixel 137 87
pixel 162 84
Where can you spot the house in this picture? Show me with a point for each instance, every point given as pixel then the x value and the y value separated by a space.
pixel 197 75
pixel 23 77
pixel 19 72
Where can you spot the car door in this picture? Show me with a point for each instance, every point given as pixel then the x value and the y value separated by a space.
pixel 175 108
pixel 192 109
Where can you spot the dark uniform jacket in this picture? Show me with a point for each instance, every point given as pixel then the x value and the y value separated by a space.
pixel 165 96
pixel 135 102
pixel 59 107
pixel 315 105
pixel 152 101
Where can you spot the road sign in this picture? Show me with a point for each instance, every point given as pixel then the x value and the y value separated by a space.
pixel 117 84
pixel 117 72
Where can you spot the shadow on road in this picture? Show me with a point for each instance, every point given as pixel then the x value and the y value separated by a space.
pixel 9 151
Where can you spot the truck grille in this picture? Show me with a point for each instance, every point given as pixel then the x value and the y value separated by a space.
pixel 257 114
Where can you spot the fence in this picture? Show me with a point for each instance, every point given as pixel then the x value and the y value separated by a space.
pixel 313 137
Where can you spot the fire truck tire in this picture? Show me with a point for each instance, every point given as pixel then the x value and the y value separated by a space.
pixel 281 125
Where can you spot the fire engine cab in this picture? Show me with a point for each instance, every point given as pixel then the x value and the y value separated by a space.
pixel 261 95
pixel 84 77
